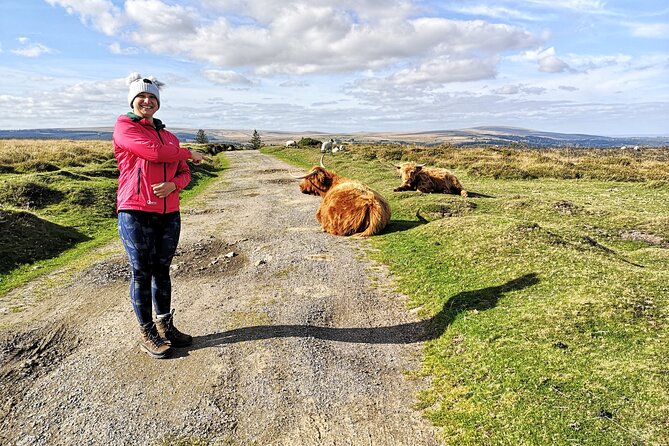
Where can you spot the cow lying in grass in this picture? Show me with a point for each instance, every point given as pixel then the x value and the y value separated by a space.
pixel 348 207
pixel 428 179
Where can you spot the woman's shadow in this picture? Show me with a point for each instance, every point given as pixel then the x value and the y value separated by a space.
pixel 425 330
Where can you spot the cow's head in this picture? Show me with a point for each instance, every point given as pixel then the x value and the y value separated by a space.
pixel 317 182
pixel 409 172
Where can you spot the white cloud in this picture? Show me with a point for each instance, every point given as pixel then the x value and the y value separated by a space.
pixel 497 12
pixel 294 83
pixel 31 49
pixel 552 64
pixel 322 43
pixel 56 106
pixel 591 62
pixel 102 14
pixel 265 11
pixel 363 64
pixel 160 25
pixel 532 10
pixel 115 48
pixel 226 77
pixel 392 108
pixel 649 30
pixel 546 59
pixel 295 37
pixel 444 69
pixel 509 89
pixel 583 6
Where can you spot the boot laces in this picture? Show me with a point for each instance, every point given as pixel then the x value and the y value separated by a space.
pixel 169 326
pixel 155 338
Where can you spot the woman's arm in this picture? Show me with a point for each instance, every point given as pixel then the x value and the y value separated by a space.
pixel 132 137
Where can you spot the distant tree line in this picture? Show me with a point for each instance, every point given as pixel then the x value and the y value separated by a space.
pixel 201 138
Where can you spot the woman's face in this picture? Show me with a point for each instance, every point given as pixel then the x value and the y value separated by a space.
pixel 145 105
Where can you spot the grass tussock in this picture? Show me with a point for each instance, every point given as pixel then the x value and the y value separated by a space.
pixel 546 288
pixel 59 196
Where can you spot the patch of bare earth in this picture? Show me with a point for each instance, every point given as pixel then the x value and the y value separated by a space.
pixel 293 344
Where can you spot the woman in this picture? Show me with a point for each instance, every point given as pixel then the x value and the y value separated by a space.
pixel 152 171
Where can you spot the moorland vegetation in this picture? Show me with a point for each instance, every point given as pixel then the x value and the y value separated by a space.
pixel 547 287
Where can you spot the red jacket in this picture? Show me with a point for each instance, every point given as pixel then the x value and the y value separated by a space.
pixel 148 155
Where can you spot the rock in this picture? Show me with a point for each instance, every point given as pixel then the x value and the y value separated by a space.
pixel 605 414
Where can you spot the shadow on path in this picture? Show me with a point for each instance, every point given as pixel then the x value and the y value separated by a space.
pixel 425 330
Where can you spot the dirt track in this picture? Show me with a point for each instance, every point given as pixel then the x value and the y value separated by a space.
pixel 298 339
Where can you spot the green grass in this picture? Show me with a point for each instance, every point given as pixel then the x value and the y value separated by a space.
pixel 58 203
pixel 547 296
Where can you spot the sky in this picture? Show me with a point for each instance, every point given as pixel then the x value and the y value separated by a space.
pixel 573 66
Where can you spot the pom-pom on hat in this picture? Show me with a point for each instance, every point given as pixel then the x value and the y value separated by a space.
pixel 138 84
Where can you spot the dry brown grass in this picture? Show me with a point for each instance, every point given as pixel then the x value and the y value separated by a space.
pixel 60 152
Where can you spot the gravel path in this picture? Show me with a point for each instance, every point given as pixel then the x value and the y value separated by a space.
pixel 298 339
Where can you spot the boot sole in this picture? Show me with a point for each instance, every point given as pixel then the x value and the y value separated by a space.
pixel 165 354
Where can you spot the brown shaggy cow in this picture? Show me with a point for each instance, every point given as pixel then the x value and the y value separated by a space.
pixel 348 207
pixel 428 179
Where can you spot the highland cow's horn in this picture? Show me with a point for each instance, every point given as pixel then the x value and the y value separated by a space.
pixel 299 177
pixel 421 165
pixel 322 161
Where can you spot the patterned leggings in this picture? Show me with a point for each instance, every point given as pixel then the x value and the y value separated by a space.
pixel 150 240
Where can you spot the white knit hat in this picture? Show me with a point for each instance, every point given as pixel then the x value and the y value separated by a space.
pixel 138 84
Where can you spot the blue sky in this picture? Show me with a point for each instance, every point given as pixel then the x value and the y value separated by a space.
pixel 574 66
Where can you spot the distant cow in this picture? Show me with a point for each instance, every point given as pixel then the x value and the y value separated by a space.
pixel 428 179
pixel 291 143
pixel 348 207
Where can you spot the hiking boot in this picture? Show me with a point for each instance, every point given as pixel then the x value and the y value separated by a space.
pixel 152 343
pixel 170 333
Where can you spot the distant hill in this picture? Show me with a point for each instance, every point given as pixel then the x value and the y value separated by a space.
pixel 505 136
pixel 57 134
pixel 476 136
pixel 84 133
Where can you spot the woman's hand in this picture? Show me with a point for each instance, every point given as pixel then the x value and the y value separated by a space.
pixel 197 157
pixel 162 190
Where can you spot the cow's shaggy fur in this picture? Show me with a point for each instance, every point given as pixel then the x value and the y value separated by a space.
pixel 348 207
pixel 428 179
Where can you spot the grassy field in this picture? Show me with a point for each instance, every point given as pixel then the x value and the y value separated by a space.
pixel 547 290
pixel 57 201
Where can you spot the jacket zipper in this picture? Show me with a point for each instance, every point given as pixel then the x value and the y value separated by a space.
pixel 164 179
pixel 164 172
pixel 139 180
